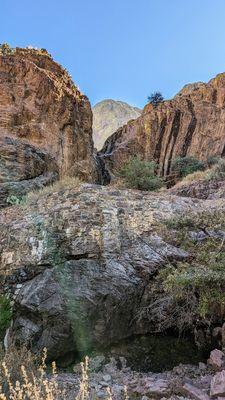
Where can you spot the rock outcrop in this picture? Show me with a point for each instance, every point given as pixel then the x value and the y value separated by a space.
pixel 85 266
pixel 200 189
pixel 108 116
pixel 192 123
pixel 45 124
pixel 82 264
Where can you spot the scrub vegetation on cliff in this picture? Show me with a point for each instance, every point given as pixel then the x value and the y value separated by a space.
pixel 5 314
pixel 215 171
pixel 183 166
pixel 197 285
pixel 85 266
pixel 140 174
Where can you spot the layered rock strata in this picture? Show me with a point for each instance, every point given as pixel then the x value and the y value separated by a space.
pixel 192 123
pixel 82 264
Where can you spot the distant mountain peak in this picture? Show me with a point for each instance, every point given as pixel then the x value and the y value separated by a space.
pixel 108 116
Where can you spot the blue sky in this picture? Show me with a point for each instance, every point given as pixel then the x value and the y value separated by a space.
pixel 123 49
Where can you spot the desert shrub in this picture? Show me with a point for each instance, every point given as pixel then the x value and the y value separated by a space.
pixel 155 98
pixel 23 377
pixel 218 170
pixel 212 160
pixel 183 166
pixel 215 171
pixel 140 174
pixel 205 220
pixel 198 285
pixel 12 360
pixel 5 315
pixel 205 284
pixel 195 176
pixel 63 184
pixel 15 200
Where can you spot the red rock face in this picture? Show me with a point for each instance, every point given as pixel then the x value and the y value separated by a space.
pixel 193 123
pixel 45 121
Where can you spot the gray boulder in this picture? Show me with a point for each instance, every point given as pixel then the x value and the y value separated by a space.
pixel 86 260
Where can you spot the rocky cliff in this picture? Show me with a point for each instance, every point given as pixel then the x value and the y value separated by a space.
pixel 45 123
pixel 91 258
pixel 108 116
pixel 192 123
pixel 90 266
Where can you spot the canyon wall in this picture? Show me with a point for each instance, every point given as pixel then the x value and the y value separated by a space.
pixel 192 123
pixel 45 123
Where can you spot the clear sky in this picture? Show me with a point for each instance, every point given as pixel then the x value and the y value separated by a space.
pixel 123 49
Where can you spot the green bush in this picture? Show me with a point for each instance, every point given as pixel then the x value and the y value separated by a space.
pixel 14 200
pixel 184 166
pixel 212 160
pixel 197 285
pixel 155 99
pixel 140 174
pixel 5 314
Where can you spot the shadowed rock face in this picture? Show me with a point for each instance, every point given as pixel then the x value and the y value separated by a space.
pixel 193 123
pixel 45 121
pixel 23 168
pixel 87 261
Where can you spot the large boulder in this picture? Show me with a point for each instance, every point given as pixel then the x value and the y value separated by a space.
pixel 86 262
pixel 192 123
pixel 45 124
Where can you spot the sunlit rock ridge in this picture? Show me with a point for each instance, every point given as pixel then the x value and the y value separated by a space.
pixel 45 123
pixel 192 123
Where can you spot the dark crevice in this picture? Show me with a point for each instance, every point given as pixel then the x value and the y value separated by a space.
pixel 110 144
pixel 223 151
pixel 76 257
pixel 158 147
pixel 102 157
pixel 214 96
pixel 190 130
pixel 103 174
pixel 172 137
pixel 24 274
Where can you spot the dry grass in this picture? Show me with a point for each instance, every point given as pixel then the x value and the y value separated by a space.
pixel 118 183
pixel 23 378
pixel 28 380
pixel 216 172
pixel 66 183
pixel 196 176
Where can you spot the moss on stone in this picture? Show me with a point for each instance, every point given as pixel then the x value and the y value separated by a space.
pixel 5 314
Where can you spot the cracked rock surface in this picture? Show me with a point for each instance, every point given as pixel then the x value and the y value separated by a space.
pixel 86 261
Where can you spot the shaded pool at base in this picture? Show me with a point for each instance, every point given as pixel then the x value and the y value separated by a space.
pixel 156 353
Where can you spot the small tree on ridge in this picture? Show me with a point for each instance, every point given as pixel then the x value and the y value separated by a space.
pixel 155 98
